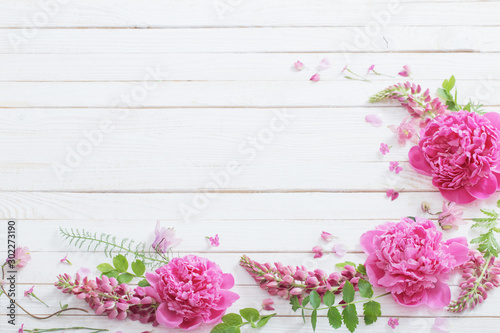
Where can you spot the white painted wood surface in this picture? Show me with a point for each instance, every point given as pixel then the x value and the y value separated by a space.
pixel 206 82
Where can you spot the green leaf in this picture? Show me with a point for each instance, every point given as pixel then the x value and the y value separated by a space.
pixel 305 301
pixel 263 321
pixel 121 263
pixel 329 298
pixel 303 316
pixel 125 278
pixel 314 319
pixel 143 283
pixel 225 328
pixel 334 318
pixel 315 299
pixel 294 301
pixel 412 217
pixel 361 269
pixel 138 267
pixel 371 311
pixel 232 319
pixel 365 288
pixel 348 292
pixel 444 94
pixel 498 203
pixel 111 274
pixel 343 264
pixel 350 316
pixel 250 314
pixel 105 267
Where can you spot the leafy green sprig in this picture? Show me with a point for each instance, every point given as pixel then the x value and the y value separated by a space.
pixel 451 99
pixel 119 270
pixel 486 242
pixel 349 314
pixel 232 322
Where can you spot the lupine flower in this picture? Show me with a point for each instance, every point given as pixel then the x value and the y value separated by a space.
pixel 393 322
pixel 267 304
pixel 326 236
pixel 164 239
pixel 298 65
pixel 191 290
pixel 405 131
pixel 461 152
pixel 214 241
pixel 394 166
pixel 451 216
pixel 373 119
pixel 479 276
pixel 392 193
pixel 384 149
pixel 324 64
pixel 315 77
pixel 420 273
pixel 288 281
pixel 339 249
pixel 21 257
pixel 318 251
pixel 65 259
pixel 406 71
pixel 440 325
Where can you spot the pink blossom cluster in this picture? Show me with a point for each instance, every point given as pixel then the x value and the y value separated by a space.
pixel 288 281
pixel 480 275
pixel 106 296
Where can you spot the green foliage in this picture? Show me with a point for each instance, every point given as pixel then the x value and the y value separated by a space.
pixel 315 299
pixel 487 242
pixel 341 265
pixel 350 317
pixel 371 311
pixel 232 322
pixel 365 289
pixel 451 99
pixel 119 270
pixel 348 292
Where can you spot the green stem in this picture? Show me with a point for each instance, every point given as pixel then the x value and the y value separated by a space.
pixel 42 330
pixel 32 294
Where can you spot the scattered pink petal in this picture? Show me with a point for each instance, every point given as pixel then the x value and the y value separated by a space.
pixel 392 193
pixel 326 236
pixel 21 329
pixel 65 259
pixel 440 325
pixel 393 322
pixel 299 65
pixel 267 304
pixel 324 64
pixel 394 166
pixel 374 120
pixel 315 77
pixel 318 250
pixel 384 149
pixel 28 292
pixel 83 272
pixel 371 68
pixel 339 249
pixel 406 71
pixel 214 241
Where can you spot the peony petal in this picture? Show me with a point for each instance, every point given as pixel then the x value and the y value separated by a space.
pixel 227 281
pixel 366 240
pixel 166 317
pixel 497 175
pixel 484 188
pixel 226 300
pixel 459 249
pixel 191 324
pixel 460 195
pixel 374 120
pixel 494 119
pixel 215 316
pixel 374 273
pixel 439 296
pixel 152 278
pixel 418 161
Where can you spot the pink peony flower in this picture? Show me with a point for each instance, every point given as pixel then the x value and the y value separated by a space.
pixel 315 77
pixel 192 290
pixel 21 257
pixel 461 152
pixel 326 236
pixel 384 148
pixel 298 65
pixel 165 239
pixel 318 251
pixel 214 241
pixel 393 322
pixel 412 262
pixel 267 304
pixel 451 216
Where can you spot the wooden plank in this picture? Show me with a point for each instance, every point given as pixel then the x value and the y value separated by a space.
pixel 265 40
pixel 261 13
pixel 241 67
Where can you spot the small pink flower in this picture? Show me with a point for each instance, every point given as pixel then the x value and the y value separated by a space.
pixel 267 304
pixel 315 77
pixel 28 292
pixel 21 329
pixel 298 65
pixel 21 257
pixel 371 68
pixel 394 166
pixel 344 69
pixel 384 149
pixel 164 239
pixel 339 249
pixel 318 251
pixel 326 236
pixel 393 322
pixel 324 64
pixel 451 216
pixel 440 325
pixel 65 259
pixel 406 71
pixel 392 193
pixel 214 241
pixel 373 119
pixel 405 131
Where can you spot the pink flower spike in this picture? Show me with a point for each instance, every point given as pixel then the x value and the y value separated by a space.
pixel 326 236
pixel 21 329
pixel 451 216
pixel 318 251
pixel 373 119
pixel 384 149
pixel 315 77
pixel 406 71
pixel 28 292
pixel 267 304
pixel 164 239
pixel 299 65
pixel 65 259
pixel 214 241
pixel 440 325
pixel 339 249
pixel 393 322
pixel 324 64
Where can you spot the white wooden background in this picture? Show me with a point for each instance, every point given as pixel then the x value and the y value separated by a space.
pixel 220 79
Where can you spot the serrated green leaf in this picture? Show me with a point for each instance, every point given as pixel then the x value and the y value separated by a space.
pixel 105 267
pixel 263 321
pixel 348 292
pixel 225 328
pixel 334 318
pixel 125 278
pixel 315 299
pixel 341 265
pixel 350 316
pixel 361 269
pixel 365 288
pixel 305 301
pixel 143 283
pixel 303 316
pixel 138 267
pixel 314 319
pixel 329 298
pixel 121 263
pixel 250 314
pixel 371 311
pixel 490 213
pixel 294 301
pixel 111 274
pixel 232 319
